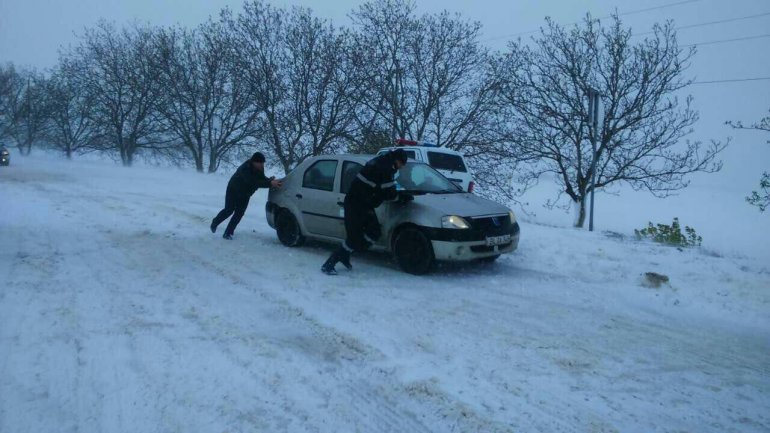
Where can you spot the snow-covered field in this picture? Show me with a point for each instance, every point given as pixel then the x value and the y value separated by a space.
pixel 121 312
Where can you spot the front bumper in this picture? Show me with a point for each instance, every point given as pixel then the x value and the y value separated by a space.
pixel 469 244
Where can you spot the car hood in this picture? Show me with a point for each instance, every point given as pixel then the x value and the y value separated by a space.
pixel 462 204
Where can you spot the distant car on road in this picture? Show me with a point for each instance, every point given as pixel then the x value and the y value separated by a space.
pixel 448 162
pixel 441 223
pixel 5 156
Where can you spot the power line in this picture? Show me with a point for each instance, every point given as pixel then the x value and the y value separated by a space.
pixel 654 8
pixel 638 11
pixel 722 41
pixel 734 80
pixel 710 23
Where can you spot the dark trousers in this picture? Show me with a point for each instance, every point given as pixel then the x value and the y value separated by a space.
pixel 235 205
pixel 362 229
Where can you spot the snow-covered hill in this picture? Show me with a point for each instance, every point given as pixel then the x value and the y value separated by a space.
pixel 121 312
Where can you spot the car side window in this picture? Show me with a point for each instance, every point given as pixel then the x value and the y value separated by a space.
pixel 320 176
pixel 349 171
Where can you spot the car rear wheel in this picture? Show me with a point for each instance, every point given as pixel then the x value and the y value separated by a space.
pixel 413 251
pixel 287 229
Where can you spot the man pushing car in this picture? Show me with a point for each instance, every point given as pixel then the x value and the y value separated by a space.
pixel 247 179
pixel 373 185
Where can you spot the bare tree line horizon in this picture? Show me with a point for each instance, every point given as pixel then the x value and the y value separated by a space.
pixel 292 85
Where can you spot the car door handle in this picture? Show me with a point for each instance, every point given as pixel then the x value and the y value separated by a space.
pixel 298 195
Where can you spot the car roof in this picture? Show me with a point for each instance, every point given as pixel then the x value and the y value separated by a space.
pixel 349 156
pixel 428 148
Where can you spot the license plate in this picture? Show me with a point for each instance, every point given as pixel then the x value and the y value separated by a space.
pixel 498 240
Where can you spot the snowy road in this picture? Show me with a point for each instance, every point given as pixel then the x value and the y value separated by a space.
pixel 120 312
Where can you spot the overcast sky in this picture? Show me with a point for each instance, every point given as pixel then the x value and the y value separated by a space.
pixel 31 31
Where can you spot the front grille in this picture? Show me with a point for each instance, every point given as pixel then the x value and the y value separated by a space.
pixel 493 225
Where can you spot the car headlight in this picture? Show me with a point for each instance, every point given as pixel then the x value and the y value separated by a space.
pixel 511 216
pixel 454 222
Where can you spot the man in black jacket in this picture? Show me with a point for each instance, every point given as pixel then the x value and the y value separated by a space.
pixel 249 176
pixel 373 185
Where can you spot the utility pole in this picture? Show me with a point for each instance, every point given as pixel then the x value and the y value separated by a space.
pixel 396 72
pixel 29 116
pixel 593 121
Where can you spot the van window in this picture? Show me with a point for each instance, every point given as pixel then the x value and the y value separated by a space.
pixel 446 161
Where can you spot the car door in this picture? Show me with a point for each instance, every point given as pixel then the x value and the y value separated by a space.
pixel 350 170
pixel 318 200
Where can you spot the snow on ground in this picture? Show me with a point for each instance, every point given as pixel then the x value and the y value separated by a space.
pixel 121 312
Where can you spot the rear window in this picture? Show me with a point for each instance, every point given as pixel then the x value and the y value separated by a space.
pixel 320 176
pixel 446 161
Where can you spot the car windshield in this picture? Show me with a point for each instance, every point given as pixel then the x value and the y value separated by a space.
pixel 419 178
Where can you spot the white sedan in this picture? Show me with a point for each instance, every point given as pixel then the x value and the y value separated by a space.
pixel 442 222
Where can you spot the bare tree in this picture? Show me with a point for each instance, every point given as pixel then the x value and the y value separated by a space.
pixel 321 67
pixel 426 75
pixel 761 198
pixel 11 95
pixel 210 105
pixel 299 67
pixel 23 116
pixel 544 90
pixel 71 111
pixel 121 75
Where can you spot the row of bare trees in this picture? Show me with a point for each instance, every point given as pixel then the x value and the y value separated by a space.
pixel 293 85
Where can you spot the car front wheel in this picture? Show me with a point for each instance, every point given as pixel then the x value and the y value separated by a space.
pixel 288 230
pixel 413 251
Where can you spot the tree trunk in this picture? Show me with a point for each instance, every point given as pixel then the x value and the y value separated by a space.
pixel 126 157
pixel 213 162
pixel 24 148
pixel 581 213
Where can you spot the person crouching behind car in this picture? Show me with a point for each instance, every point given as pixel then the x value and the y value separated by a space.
pixel 247 179
pixel 373 184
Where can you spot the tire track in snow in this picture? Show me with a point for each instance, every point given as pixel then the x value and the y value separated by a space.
pixel 348 370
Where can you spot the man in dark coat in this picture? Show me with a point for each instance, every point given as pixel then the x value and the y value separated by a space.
pixel 373 185
pixel 249 176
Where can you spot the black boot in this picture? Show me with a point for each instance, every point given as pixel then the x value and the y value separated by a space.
pixel 213 227
pixel 344 256
pixel 328 266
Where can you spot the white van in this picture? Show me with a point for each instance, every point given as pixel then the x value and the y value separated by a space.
pixel 448 162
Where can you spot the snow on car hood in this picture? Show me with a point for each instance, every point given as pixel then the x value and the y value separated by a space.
pixel 461 204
